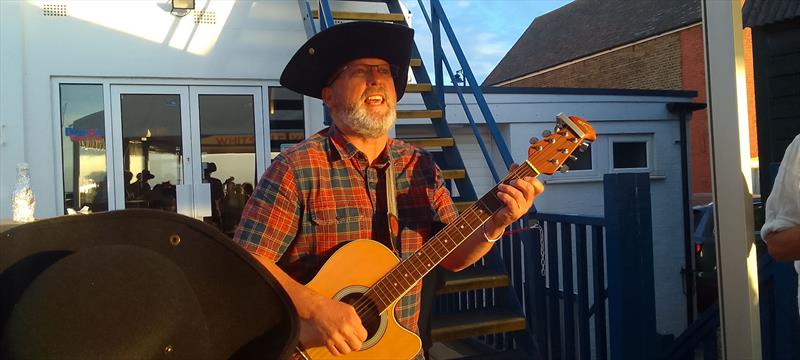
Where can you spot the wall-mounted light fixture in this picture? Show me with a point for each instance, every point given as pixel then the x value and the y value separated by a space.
pixel 181 7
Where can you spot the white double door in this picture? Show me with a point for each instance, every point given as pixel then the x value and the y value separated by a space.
pixel 195 150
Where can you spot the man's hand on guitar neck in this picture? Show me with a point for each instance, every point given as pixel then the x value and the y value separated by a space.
pixel 323 321
pixel 517 196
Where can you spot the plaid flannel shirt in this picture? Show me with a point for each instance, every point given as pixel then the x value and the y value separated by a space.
pixel 322 193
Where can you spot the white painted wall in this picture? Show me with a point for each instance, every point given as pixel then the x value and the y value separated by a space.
pixel 135 39
pixel 581 192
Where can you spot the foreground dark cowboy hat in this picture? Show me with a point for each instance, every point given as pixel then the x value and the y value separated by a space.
pixel 137 284
pixel 323 54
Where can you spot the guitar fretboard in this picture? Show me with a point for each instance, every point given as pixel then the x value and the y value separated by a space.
pixel 411 270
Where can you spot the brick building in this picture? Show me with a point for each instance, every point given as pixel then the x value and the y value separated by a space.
pixel 619 44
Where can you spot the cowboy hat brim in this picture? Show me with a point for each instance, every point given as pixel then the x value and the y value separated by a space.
pixel 137 284
pixel 313 65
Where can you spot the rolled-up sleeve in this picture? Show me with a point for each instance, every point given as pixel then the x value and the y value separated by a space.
pixel 783 205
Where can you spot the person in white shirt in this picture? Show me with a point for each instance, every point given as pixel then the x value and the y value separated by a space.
pixel 781 230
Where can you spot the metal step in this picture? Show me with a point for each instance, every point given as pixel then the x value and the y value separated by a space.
pixel 430 142
pixel 471 349
pixel 419 88
pixel 449 174
pixel 473 278
pixel 475 322
pixel 419 114
pixel 353 15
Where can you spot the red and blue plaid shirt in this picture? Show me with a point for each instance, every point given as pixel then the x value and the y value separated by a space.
pixel 323 193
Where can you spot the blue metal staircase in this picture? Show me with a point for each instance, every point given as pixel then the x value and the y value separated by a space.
pixel 476 309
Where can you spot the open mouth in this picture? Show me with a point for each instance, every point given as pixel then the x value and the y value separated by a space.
pixel 374 100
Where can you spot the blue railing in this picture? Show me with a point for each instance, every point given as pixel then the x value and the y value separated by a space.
pixel 566 270
pixel 564 286
pixel 436 22
pixel 325 16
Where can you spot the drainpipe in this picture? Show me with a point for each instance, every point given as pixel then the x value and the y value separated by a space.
pixel 684 111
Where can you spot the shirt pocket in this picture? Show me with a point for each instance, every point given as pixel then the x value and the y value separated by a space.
pixel 321 215
pixel 336 224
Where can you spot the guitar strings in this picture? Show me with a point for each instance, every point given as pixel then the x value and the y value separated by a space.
pixel 363 304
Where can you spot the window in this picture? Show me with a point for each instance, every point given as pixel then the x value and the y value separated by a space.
pixel 286 120
pixel 630 155
pixel 84 146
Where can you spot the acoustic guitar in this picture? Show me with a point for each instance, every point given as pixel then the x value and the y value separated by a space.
pixel 368 276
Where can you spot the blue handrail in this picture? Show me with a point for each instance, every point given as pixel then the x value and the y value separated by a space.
pixel 439 54
pixel 438 17
pixel 325 16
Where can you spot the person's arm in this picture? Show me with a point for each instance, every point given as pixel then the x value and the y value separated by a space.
pixel 269 224
pixel 323 322
pixel 784 245
pixel 781 230
pixel 518 197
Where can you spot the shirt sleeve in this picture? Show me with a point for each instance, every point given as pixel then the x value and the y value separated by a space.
pixel 783 205
pixel 443 205
pixel 270 218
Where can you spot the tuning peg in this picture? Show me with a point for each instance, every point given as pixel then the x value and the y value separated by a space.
pixel 554 161
pixel 563 169
pixel 583 146
pixel 559 126
pixel 534 140
pixel 573 157
pixel 546 133
pixel 563 151
pixel 538 148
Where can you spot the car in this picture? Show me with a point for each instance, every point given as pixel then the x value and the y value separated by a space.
pixel 705 251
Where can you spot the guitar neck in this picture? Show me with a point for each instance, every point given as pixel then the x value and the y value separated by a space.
pixel 411 270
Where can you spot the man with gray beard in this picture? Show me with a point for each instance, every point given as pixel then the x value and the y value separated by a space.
pixel 331 188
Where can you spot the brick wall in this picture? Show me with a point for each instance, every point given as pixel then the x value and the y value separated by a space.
pixel 670 62
pixel 693 76
pixel 655 64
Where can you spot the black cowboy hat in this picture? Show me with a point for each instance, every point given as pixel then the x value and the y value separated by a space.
pixel 137 284
pixel 313 65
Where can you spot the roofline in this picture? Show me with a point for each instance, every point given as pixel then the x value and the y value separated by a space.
pixel 577 91
pixel 558 66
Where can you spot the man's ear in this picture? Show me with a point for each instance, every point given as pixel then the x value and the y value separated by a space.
pixel 327 96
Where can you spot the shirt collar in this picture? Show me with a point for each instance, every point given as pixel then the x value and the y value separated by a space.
pixel 347 150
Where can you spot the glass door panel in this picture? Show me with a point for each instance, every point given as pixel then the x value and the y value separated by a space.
pixel 153 151
pixel 228 151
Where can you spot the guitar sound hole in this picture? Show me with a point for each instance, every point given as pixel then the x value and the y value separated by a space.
pixel 367 311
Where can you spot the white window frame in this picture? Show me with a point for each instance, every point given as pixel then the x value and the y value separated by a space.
pixel 627 138
pixel 262 128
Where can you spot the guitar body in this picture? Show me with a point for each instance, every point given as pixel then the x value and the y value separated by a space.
pixel 352 269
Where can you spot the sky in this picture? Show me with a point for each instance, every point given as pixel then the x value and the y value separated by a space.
pixel 485 29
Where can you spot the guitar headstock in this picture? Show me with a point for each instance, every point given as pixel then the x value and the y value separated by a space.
pixel 549 154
